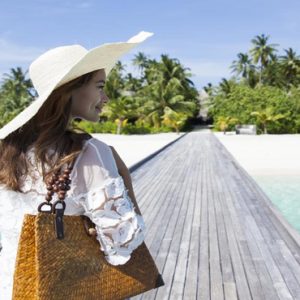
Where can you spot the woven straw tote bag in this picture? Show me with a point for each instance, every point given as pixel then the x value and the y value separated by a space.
pixel 57 258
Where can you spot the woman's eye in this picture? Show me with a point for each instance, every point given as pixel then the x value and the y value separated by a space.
pixel 100 87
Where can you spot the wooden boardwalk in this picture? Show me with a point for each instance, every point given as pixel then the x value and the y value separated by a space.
pixel 211 230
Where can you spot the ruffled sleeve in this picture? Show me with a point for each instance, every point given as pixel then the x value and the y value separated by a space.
pixel 105 200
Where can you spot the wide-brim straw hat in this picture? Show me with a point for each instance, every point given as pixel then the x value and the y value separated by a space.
pixel 60 65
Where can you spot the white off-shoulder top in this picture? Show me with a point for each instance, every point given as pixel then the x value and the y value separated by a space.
pixel 97 191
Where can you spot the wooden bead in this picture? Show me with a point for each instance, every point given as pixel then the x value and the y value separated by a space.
pixel 66 176
pixel 61 197
pixel 59 183
pixel 92 231
pixel 50 193
pixel 49 187
pixel 48 198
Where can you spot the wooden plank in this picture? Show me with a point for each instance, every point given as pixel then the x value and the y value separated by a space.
pixel 179 278
pixel 262 236
pixel 203 292
pixel 284 282
pixel 191 282
pixel 193 269
pixel 216 286
pixel 210 230
pixel 176 233
pixel 176 193
pixel 247 244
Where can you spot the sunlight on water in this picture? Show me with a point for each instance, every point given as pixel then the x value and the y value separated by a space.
pixel 284 192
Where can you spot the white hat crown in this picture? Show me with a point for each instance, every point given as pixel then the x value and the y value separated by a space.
pixel 48 69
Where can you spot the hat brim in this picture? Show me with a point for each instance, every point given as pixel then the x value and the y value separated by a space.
pixel 102 57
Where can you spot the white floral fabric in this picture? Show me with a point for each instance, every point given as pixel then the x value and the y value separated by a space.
pixel 97 191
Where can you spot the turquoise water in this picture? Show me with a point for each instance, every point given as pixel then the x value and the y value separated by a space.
pixel 284 192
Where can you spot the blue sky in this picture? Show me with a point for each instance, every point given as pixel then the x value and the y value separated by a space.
pixel 205 36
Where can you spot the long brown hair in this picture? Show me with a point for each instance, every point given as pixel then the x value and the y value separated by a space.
pixel 51 127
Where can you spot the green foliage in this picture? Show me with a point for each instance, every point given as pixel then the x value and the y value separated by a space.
pixel 225 123
pixel 281 110
pixel 267 116
pixel 262 66
pixel 111 127
pixel 14 94
pixel 136 129
pixel 265 90
pixel 101 127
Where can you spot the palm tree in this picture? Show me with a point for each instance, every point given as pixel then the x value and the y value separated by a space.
pixel 225 86
pixel 115 82
pixel 172 69
pixel 119 110
pixel 290 63
pixel 168 85
pixel 15 94
pixel 131 83
pixel 141 61
pixel 224 122
pixel 267 116
pixel 173 119
pixel 208 89
pixel 262 52
pixel 158 98
pixel 243 65
pixel 273 74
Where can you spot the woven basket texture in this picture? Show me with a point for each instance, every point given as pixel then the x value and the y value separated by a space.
pixel 74 267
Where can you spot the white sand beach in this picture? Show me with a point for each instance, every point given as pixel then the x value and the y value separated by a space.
pixel 135 147
pixel 266 154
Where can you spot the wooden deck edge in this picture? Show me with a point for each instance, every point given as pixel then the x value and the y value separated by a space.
pixel 135 166
pixel 277 217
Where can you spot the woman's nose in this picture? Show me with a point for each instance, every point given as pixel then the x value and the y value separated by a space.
pixel 104 97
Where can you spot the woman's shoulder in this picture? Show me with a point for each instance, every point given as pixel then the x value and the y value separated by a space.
pixel 102 150
pixel 98 144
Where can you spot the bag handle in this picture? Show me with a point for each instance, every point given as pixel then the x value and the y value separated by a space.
pixel 59 184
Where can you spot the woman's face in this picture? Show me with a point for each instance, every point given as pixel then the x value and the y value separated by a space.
pixel 88 100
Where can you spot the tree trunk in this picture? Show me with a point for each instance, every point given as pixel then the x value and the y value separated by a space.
pixel 260 73
pixel 119 126
pixel 265 128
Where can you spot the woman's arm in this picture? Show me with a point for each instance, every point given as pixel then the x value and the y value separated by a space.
pixel 124 172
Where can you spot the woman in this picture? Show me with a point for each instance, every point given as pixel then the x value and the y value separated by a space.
pixel 41 139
